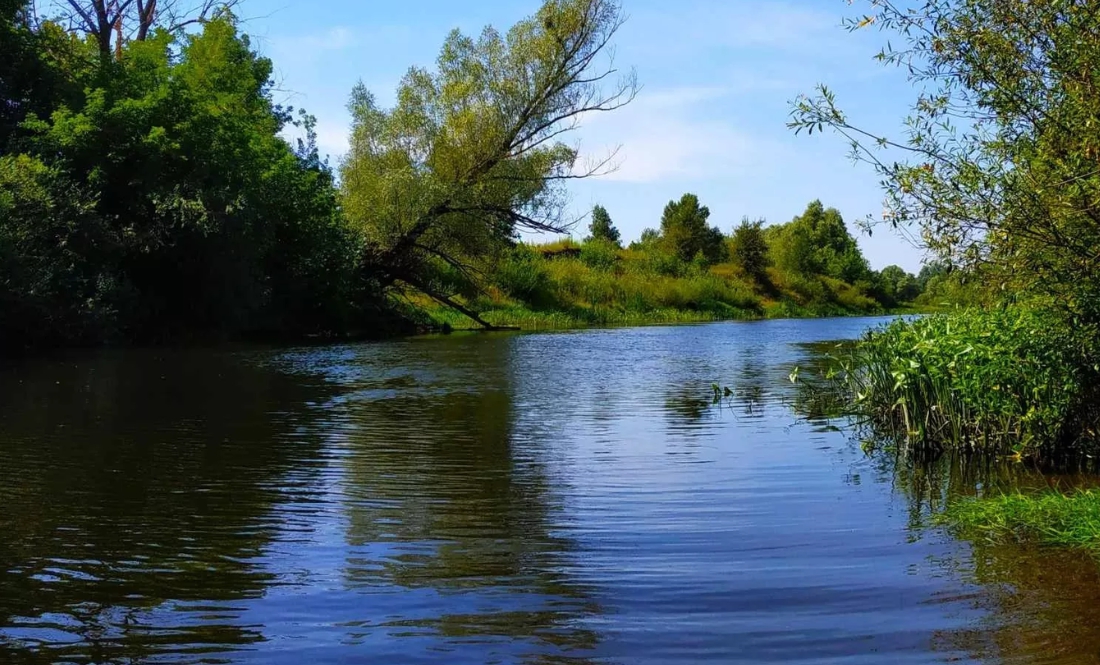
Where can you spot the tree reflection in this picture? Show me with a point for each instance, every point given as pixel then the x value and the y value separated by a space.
pixel 444 496
pixel 137 491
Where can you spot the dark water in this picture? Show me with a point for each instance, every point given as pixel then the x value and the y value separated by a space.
pixel 554 498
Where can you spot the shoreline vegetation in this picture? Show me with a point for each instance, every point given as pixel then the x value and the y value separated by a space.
pixel 997 174
pixel 687 271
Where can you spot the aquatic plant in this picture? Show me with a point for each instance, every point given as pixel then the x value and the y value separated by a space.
pixel 1051 518
pixel 1010 380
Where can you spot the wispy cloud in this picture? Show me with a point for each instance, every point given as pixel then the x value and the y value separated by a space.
pixel 666 135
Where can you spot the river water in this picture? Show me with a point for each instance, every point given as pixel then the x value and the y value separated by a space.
pixel 567 497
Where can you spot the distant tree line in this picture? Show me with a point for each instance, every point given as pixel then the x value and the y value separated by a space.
pixel 815 243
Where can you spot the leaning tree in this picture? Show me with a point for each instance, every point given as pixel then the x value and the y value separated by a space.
pixel 473 152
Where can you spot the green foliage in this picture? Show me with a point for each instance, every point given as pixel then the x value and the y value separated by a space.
pixel 561 283
pixel 649 238
pixel 818 243
pixel 51 291
pixel 1050 518
pixel 524 275
pixel 601 227
pixel 951 289
pixel 600 254
pixel 685 233
pixel 896 285
pixel 471 153
pixel 1001 380
pixel 38 70
pixel 749 250
pixel 998 167
pixel 161 202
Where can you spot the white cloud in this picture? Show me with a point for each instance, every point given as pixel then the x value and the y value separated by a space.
pixel 665 135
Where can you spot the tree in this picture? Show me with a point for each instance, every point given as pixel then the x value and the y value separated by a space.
pixel 36 70
pixel 898 285
pixel 601 228
pixel 998 170
pixel 114 23
pixel 161 201
pixel 650 238
pixel 750 250
pixel 685 233
pixel 817 242
pixel 931 270
pixel 472 154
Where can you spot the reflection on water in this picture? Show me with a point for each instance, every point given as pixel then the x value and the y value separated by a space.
pixel 557 498
pixel 140 493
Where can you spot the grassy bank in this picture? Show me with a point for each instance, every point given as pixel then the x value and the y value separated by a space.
pixel 567 284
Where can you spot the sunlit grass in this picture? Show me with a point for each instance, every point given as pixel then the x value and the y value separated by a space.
pixel 1051 519
pixel 1004 381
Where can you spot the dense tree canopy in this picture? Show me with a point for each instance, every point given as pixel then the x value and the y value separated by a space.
pixel 686 234
pixel 818 242
pixel 161 199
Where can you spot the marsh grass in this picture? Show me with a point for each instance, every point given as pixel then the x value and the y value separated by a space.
pixel 1013 381
pixel 1064 520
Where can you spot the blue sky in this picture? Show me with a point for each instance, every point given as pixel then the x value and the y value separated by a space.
pixel 717 77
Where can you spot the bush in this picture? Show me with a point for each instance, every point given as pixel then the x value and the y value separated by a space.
pixel 600 254
pixel 523 274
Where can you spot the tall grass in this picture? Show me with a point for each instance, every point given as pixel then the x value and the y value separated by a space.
pixel 1057 519
pixel 598 283
pixel 1007 381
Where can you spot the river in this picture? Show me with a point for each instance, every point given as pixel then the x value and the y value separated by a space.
pixel 567 497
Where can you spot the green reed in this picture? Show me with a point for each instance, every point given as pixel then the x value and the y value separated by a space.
pixel 1050 518
pixel 1005 381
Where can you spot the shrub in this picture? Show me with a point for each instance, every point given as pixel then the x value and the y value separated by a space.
pixel 523 274
pixel 600 254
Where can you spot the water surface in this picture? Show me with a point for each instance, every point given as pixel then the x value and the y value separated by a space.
pixel 568 497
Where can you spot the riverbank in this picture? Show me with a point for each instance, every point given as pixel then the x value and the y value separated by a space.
pixel 565 284
pixel 1013 382
pixel 524 318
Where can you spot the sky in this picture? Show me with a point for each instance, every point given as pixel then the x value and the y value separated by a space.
pixel 717 78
